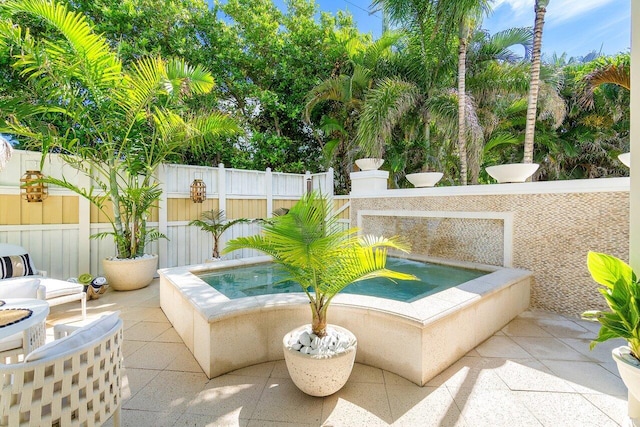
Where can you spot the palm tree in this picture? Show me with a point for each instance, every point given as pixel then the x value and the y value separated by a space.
pixel 214 222
pixel 540 9
pixel 345 94
pixel 313 249
pixel 115 126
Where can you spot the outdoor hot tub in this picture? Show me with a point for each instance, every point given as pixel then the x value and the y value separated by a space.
pixel 416 339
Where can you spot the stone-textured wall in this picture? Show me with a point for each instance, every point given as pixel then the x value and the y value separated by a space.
pixel 552 233
pixel 463 239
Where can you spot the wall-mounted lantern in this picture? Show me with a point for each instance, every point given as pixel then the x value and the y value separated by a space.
pixel 198 189
pixel 32 188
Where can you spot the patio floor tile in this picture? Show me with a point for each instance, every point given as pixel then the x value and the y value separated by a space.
pixel 147 331
pixel 536 371
pixel 501 346
pixel 587 377
pixel 562 409
pixel 168 391
pixel 550 348
pixel 493 408
pixel 524 328
pixel 357 404
pixel 530 375
pixel 228 398
pixel 154 355
pixel 282 401
pixel 423 406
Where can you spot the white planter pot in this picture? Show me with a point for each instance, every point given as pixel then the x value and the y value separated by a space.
pixel 629 369
pixel 130 274
pixel 369 164
pixel 625 158
pixel 424 179
pixel 513 172
pixel 319 375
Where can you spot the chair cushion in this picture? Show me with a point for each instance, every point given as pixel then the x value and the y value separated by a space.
pixel 15 266
pixel 20 287
pixel 79 338
pixel 11 342
pixel 58 288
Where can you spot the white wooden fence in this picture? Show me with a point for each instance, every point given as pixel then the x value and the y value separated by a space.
pixel 66 250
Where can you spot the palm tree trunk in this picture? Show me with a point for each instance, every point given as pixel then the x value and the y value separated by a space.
pixel 319 318
pixel 534 85
pixel 462 128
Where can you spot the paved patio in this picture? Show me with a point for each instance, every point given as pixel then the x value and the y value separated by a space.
pixel 537 371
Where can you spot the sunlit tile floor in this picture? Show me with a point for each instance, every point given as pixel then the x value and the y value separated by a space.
pixel 536 371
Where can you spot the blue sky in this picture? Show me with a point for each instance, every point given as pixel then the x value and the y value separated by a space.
pixel 572 26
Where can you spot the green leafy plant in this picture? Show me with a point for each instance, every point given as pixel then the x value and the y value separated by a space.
pixel 214 222
pixel 317 253
pixel 115 125
pixel 622 293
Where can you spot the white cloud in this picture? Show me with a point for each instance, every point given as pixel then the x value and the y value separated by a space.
pixel 558 11
pixel 566 10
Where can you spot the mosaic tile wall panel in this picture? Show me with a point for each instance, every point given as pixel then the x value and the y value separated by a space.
pixel 551 237
pixel 463 239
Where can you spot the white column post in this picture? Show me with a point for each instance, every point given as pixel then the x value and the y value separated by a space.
pixel 268 184
pixel 163 220
pixel 329 182
pixel 634 193
pixel 222 188
pixel 84 229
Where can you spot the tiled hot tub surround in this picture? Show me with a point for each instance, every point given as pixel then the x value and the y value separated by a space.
pixel 414 340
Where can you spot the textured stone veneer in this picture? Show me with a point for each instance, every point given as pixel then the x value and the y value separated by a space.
pixel 554 226
pixel 476 240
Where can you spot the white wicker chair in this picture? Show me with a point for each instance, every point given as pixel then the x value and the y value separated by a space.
pixel 72 381
pixel 56 291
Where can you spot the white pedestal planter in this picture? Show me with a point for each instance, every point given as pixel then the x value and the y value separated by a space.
pixel 629 369
pixel 130 274
pixel 513 172
pixel 625 158
pixel 424 179
pixel 369 164
pixel 369 182
pixel 319 375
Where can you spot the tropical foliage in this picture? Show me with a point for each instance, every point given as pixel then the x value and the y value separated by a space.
pixel 115 124
pixel 311 92
pixel 621 291
pixel 315 251
pixel 214 222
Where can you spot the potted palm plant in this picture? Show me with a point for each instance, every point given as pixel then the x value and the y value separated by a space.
pixel 214 222
pixel 114 125
pixel 621 291
pixel 315 251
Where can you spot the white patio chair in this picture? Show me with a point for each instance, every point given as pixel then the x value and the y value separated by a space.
pixel 14 346
pixel 56 291
pixel 72 381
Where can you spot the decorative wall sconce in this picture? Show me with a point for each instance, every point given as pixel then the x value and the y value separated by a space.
pixel 198 189
pixel 32 189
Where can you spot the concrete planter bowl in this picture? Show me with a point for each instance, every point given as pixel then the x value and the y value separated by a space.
pixel 625 158
pixel 424 179
pixel 130 274
pixel 315 375
pixel 513 172
pixel 369 164
pixel 629 368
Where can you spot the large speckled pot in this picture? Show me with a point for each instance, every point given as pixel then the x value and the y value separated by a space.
pixel 629 369
pixel 130 274
pixel 319 376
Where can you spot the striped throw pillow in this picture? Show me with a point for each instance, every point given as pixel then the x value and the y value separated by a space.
pixel 15 266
